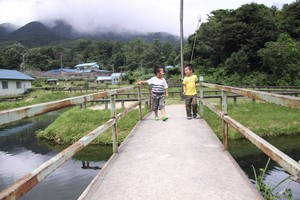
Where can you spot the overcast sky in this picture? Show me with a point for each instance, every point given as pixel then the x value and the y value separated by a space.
pixel 138 15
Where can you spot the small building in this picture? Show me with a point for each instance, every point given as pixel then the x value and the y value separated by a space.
pixel 103 79
pixel 116 78
pixel 13 82
pixel 52 81
pixel 87 66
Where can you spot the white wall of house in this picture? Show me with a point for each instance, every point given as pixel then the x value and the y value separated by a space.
pixel 13 87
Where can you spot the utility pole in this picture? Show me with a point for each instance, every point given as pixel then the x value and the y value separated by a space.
pixel 181 37
pixel 22 66
pixel 198 26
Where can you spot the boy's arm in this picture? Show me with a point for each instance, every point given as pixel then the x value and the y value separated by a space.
pixel 166 92
pixel 184 89
pixel 197 82
pixel 141 82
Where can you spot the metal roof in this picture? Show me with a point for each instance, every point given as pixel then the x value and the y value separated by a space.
pixel 58 71
pixel 116 74
pixel 87 65
pixel 104 78
pixel 6 74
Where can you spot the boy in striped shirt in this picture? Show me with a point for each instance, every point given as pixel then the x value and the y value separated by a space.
pixel 159 89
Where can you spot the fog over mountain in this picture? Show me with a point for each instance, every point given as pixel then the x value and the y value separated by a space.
pixel 38 33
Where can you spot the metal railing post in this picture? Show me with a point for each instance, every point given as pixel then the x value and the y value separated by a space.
pixel 201 103
pixel 140 102
pixel 224 123
pixel 114 127
pixel 83 105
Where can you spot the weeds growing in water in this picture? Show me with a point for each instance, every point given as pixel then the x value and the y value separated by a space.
pixel 265 190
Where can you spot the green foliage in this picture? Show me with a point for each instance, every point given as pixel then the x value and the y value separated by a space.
pixel 139 74
pixel 282 59
pixel 117 56
pixel 11 57
pixel 235 45
pixel 265 190
pixel 291 19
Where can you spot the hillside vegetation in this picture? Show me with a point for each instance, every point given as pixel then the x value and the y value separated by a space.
pixel 250 45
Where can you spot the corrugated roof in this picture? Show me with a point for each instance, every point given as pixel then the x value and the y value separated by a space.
pixel 104 78
pixel 87 65
pixel 116 74
pixel 58 71
pixel 6 74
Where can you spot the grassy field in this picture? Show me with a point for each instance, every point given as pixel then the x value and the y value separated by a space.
pixel 76 123
pixel 264 119
pixel 41 97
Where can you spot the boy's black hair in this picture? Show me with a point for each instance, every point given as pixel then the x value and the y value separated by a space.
pixel 190 66
pixel 157 69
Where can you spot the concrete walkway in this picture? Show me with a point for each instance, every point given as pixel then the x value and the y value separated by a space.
pixel 178 159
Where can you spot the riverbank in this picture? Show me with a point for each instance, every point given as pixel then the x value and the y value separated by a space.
pixel 76 123
pixel 264 119
pixel 37 97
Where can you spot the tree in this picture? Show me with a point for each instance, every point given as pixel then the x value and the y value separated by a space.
pixel 12 56
pixel 291 19
pixel 238 62
pixel 281 59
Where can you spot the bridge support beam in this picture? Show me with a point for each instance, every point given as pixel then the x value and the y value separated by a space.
pixel 201 107
pixel 224 123
pixel 140 102
pixel 114 127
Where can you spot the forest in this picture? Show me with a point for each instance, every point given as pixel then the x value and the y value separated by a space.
pixel 250 45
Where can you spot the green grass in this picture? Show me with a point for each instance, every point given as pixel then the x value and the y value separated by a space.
pixel 40 97
pixel 76 123
pixel 264 119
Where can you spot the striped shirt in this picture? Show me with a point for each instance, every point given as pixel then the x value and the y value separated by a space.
pixel 158 85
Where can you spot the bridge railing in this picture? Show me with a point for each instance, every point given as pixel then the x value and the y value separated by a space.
pixel 275 154
pixel 27 182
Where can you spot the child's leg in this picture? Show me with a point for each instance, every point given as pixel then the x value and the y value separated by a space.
pixel 162 107
pixel 194 106
pixel 156 113
pixel 188 102
pixel 154 104
pixel 163 111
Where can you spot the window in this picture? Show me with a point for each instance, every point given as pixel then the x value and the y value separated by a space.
pixel 4 85
pixel 19 85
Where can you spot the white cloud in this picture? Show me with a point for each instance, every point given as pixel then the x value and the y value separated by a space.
pixel 139 15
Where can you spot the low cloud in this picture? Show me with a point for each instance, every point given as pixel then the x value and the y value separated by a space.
pixel 119 15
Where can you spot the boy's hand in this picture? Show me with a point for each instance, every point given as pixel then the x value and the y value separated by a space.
pixel 197 84
pixel 184 92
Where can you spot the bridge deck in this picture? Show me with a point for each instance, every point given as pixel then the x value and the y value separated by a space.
pixel 177 159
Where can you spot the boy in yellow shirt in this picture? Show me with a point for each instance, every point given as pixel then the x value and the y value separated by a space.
pixel 190 82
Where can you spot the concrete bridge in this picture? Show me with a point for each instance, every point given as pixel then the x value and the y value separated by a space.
pixel 177 159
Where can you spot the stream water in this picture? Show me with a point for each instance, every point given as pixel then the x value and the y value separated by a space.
pixel 21 152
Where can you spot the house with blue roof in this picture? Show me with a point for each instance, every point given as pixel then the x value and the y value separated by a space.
pixel 13 82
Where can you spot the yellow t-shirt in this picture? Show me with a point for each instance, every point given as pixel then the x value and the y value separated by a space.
pixel 190 83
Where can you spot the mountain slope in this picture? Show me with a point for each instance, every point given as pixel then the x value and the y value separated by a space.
pixel 6 29
pixel 34 34
pixel 38 34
